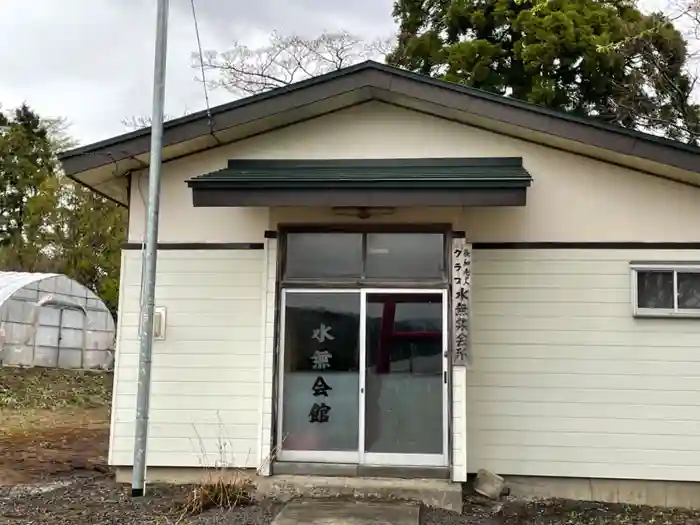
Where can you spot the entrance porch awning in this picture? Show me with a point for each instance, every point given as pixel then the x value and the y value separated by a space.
pixel 365 182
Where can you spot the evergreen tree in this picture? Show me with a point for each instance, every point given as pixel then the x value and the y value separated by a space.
pixel 48 222
pixel 27 191
pixel 603 59
pixel 87 245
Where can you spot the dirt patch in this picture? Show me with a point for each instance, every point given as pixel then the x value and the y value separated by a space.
pixel 512 511
pixel 98 500
pixel 52 422
pixel 39 445
pixel 54 432
pixel 54 427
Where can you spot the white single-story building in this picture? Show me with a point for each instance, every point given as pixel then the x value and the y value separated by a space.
pixel 376 273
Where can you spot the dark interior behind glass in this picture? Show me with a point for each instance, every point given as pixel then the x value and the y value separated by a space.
pixel 371 256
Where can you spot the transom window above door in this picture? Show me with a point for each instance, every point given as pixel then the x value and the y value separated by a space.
pixel 374 256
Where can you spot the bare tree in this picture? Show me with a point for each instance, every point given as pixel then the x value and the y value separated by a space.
pixel 670 66
pixel 135 122
pixel 286 59
pixel 694 15
pixel 685 15
pixel 689 12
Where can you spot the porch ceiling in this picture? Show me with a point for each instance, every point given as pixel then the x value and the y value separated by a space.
pixel 375 182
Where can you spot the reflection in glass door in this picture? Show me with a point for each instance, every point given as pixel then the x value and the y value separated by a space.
pixel 320 375
pixel 394 412
pixel 404 380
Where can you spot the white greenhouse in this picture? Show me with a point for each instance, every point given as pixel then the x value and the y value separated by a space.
pixel 52 320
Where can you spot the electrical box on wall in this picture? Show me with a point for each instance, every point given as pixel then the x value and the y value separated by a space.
pixel 159 319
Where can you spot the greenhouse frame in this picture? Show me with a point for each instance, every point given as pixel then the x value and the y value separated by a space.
pixel 51 320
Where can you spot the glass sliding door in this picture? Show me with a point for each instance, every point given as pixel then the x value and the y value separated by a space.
pixel 320 375
pixel 404 363
pixel 364 377
pixel 362 369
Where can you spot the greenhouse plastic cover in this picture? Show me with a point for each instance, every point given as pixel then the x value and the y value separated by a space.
pixel 11 282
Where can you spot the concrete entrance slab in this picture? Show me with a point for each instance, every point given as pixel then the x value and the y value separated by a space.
pixel 318 512
pixel 431 492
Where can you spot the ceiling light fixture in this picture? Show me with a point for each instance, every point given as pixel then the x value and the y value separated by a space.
pixel 363 212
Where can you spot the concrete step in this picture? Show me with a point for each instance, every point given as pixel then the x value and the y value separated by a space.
pixel 318 512
pixel 431 492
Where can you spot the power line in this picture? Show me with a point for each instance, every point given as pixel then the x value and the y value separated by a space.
pixel 201 66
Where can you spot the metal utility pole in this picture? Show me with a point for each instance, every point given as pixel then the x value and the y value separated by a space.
pixel 148 278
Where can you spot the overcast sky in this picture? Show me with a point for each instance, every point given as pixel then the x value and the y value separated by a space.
pixel 92 60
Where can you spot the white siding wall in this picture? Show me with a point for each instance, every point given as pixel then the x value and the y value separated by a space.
pixel 459 437
pixel 207 373
pixel 565 382
pixel 572 198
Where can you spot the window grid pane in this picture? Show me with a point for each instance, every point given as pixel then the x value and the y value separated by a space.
pixel 404 256
pixel 323 255
pixel 667 290
pixel 688 290
pixel 655 289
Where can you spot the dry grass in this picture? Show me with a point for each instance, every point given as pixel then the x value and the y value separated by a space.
pixel 51 389
pixel 224 487
pixel 222 493
pixel 18 423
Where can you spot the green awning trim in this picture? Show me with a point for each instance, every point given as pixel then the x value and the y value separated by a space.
pixel 404 174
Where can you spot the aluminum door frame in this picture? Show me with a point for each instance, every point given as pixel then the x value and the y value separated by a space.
pixel 359 456
pixel 312 456
pixel 401 459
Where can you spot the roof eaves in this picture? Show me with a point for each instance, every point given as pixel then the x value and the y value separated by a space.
pixel 223 108
pixel 630 142
pixel 527 106
pixel 372 163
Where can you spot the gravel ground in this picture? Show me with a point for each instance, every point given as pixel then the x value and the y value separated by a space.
pixel 512 511
pixel 97 500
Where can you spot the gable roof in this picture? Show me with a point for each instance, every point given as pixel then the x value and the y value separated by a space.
pixel 102 165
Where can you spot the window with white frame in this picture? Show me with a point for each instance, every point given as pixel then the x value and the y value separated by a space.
pixel 666 289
